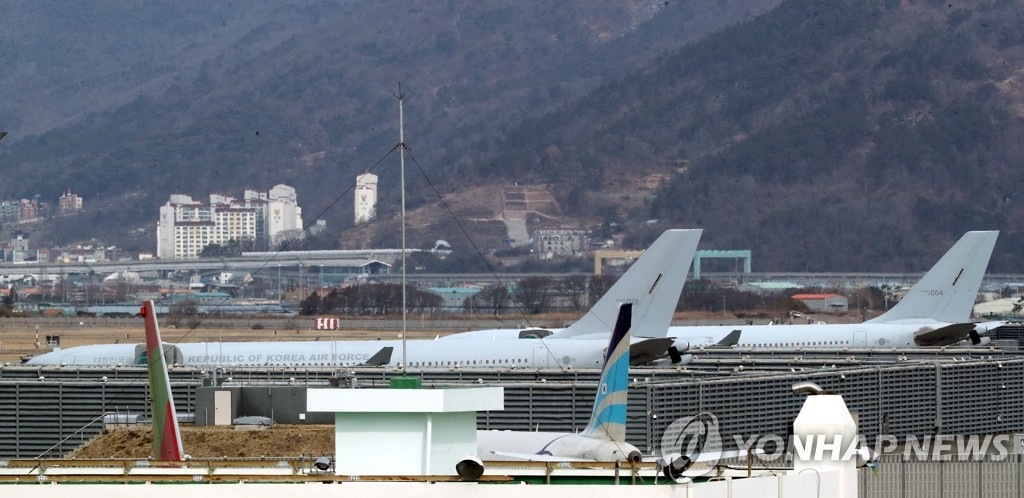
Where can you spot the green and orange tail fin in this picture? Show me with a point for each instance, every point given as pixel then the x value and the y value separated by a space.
pixel 166 435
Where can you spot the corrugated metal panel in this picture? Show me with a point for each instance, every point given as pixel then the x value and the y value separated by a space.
pixel 904 398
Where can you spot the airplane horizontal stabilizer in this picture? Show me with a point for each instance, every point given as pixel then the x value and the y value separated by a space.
pixel 706 456
pixel 943 336
pixel 532 457
pixel 648 350
pixel 732 339
pixel 382 357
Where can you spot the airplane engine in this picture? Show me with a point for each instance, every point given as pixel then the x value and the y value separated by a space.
pixel 612 451
pixel 470 468
pixel 675 353
pixel 976 339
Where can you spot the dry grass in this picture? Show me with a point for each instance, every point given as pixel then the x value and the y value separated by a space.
pixel 215 442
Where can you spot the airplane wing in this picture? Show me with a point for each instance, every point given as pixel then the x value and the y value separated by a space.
pixel 382 357
pixel 943 336
pixel 533 457
pixel 702 457
pixel 648 350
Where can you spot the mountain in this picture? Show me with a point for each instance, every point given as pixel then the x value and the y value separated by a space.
pixel 824 135
pixel 192 97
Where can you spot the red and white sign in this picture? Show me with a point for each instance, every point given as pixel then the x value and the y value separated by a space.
pixel 328 323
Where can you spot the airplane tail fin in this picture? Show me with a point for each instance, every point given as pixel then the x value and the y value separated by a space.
pixel 608 420
pixel 948 291
pixel 653 285
pixel 166 435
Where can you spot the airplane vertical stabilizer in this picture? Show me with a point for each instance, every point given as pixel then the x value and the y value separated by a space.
pixel 166 435
pixel 948 291
pixel 653 285
pixel 608 420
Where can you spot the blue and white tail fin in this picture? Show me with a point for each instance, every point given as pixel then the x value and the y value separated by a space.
pixel 167 445
pixel 608 420
pixel 653 285
pixel 947 292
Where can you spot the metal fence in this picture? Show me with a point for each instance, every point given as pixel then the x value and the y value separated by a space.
pixel 988 477
pixel 40 406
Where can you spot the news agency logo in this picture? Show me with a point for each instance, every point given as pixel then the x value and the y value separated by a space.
pixel 690 440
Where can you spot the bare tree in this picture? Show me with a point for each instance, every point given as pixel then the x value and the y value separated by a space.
pixel 599 284
pixel 534 294
pixel 493 298
pixel 185 312
pixel 575 288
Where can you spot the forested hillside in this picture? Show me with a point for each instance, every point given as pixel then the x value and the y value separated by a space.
pixel 824 135
pixel 833 134
pixel 220 97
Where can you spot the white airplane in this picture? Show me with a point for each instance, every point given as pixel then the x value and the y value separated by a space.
pixel 653 285
pixel 603 440
pixel 936 312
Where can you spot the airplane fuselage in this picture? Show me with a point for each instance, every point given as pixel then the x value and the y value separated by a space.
pixel 519 353
pixel 859 335
pixel 520 445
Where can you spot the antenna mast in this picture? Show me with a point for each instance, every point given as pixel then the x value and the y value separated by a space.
pixel 401 160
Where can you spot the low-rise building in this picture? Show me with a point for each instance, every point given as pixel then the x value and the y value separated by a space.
pixel 824 303
pixel 69 203
pixel 550 242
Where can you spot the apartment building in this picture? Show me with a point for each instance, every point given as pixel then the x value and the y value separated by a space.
pixel 188 226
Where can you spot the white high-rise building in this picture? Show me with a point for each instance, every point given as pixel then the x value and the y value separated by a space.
pixel 284 216
pixel 187 226
pixel 366 197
